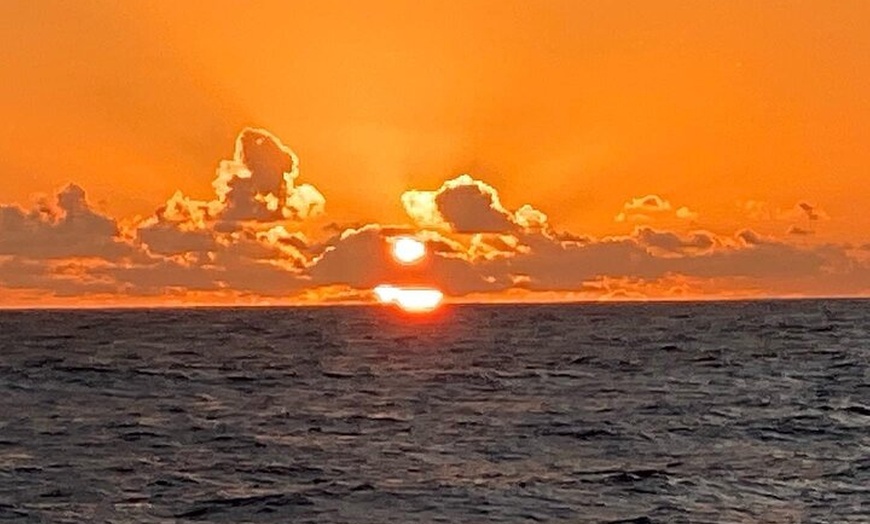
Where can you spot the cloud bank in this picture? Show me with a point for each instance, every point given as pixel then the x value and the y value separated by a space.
pixel 245 245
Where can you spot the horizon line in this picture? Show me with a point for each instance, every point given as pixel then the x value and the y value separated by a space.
pixel 450 303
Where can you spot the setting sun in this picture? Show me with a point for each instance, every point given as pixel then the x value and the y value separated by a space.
pixel 407 250
pixel 414 300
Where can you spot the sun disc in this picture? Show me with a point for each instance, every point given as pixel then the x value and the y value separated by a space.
pixel 408 250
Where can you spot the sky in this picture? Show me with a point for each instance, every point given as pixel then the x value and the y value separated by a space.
pixel 166 153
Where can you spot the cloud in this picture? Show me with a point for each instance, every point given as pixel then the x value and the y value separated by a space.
pixel 749 237
pixel 763 211
pixel 798 231
pixel 240 239
pixel 547 265
pixel 167 239
pixel 668 242
pixel 809 210
pixel 60 278
pixel 467 205
pixel 473 208
pixel 686 214
pixel 244 244
pixel 68 227
pixel 258 184
pixel 757 210
pixel 648 208
pixel 256 190
pixel 360 259
pixel 236 241
pixel 540 261
pixel 649 255
pixel 648 204
pixel 182 225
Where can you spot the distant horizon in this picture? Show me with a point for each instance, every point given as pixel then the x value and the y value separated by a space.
pixel 447 303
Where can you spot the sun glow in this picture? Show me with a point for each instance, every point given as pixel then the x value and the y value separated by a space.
pixel 408 250
pixel 414 300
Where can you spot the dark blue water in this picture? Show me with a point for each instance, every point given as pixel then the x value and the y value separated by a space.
pixel 713 412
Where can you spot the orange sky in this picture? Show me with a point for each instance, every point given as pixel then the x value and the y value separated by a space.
pixel 738 111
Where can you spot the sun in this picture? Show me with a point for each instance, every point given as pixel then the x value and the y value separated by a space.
pixel 415 300
pixel 408 250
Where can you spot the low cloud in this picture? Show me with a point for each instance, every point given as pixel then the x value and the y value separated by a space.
pixel 244 243
pixel 360 259
pixel 669 242
pixel 799 231
pixel 65 227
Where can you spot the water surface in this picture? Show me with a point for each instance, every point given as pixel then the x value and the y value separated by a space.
pixel 701 412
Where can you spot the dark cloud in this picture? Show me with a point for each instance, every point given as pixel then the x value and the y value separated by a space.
pixel 60 279
pixel 167 239
pixel 159 276
pixel 667 241
pixel 809 210
pixel 361 259
pixel 799 231
pixel 468 209
pixel 765 260
pixel 549 265
pixel 66 228
pixel 750 238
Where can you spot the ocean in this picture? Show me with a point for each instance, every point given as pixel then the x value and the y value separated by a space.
pixel 729 412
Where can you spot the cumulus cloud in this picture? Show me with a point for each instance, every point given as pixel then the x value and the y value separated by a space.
pixel 650 207
pixel 238 240
pixel 244 243
pixel 686 214
pixel 467 205
pixel 67 227
pixel 259 182
pixel 255 189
